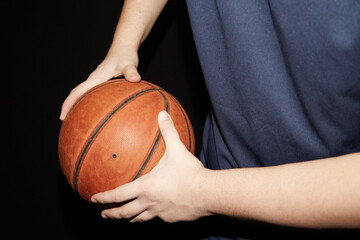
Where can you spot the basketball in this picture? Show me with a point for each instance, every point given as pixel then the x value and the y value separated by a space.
pixel 111 135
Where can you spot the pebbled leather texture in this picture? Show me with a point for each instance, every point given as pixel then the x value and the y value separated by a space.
pixel 111 135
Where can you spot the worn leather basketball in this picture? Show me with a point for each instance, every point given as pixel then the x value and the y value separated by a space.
pixel 111 135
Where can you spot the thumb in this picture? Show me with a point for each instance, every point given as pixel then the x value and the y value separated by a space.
pixel 131 73
pixel 167 128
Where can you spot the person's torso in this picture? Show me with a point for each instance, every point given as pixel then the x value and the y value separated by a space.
pixel 283 78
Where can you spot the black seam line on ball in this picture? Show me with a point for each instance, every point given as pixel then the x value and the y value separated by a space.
pixel 90 91
pixel 97 130
pixel 155 143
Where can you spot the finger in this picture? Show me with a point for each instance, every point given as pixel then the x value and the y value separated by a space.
pixel 128 210
pixel 131 73
pixel 74 96
pixel 94 79
pixel 122 193
pixel 68 103
pixel 167 128
pixel 142 217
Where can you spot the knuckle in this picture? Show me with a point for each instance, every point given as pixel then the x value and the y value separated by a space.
pixel 124 214
pixel 146 216
pixel 166 218
pixel 140 219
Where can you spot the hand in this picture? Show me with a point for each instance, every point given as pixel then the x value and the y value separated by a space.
pixel 171 191
pixel 118 62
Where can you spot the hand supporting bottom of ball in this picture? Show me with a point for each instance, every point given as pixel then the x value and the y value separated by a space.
pixel 170 191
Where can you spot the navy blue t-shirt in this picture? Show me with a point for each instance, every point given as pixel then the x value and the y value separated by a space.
pixel 283 79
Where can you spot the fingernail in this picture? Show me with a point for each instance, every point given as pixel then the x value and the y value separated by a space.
pixel 163 115
pixel 93 200
pixel 103 216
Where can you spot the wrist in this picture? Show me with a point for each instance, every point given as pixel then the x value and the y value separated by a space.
pixel 123 46
pixel 205 194
pixel 221 194
pixel 120 56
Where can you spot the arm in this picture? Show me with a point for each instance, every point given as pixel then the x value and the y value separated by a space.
pixel 316 194
pixel 136 20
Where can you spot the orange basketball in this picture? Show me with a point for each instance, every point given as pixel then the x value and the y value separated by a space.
pixel 111 135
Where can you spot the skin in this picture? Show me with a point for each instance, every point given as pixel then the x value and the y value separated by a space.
pixel 122 59
pixel 321 193
pixel 316 194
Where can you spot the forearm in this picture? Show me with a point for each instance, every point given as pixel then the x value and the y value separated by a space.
pixel 317 194
pixel 136 20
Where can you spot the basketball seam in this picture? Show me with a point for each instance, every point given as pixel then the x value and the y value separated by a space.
pixel 153 148
pixel 98 129
pixel 90 91
pixel 149 155
pixel 111 81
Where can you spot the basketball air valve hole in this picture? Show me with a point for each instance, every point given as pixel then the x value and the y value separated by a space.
pixel 114 155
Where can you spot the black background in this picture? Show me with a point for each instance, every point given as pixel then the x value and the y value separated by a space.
pixel 52 46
